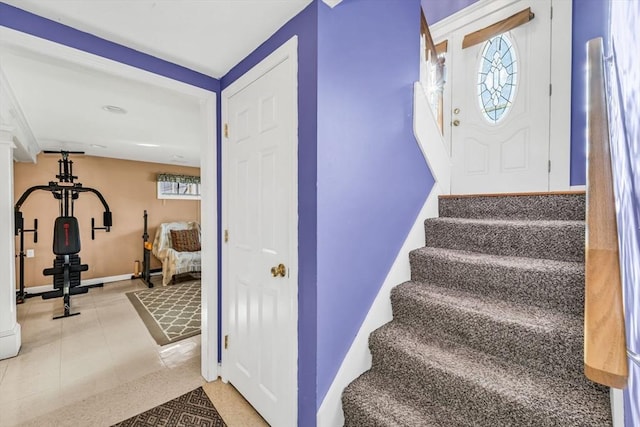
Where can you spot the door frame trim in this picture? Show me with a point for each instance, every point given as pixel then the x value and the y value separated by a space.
pixel 560 100
pixel 288 51
pixel 14 39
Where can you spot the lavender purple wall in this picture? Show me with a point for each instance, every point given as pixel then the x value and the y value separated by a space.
pixel 20 20
pixel 436 10
pixel 590 20
pixel 372 177
pixel 624 111
pixel 305 26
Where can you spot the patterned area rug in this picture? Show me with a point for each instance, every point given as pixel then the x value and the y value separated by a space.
pixel 191 409
pixel 170 313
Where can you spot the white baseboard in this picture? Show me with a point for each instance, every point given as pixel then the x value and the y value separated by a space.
pixel 10 342
pixel 109 279
pixel 578 188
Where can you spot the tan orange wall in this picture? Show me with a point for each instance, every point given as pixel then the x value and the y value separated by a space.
pixel 129 188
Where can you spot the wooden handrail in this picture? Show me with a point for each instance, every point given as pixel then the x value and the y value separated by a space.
pixel 605 348
pixel 431 51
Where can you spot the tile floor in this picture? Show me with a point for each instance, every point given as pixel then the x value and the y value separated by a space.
pixel 100 367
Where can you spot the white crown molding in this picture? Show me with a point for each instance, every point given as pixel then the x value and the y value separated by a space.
pixel 332 3
pixel 11 117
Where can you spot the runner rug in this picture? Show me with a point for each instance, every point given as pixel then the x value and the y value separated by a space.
pixel 170 313
pixel 191 409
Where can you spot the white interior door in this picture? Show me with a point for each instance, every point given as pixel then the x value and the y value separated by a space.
pixel 500 105
pixel 260 356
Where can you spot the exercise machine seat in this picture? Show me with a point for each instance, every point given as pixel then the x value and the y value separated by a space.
pixel 66 266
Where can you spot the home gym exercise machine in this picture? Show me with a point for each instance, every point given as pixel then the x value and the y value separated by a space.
pixel 66 235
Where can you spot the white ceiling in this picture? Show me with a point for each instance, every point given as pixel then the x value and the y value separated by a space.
pixel 62 101
pixel 63 104
pixel 210 36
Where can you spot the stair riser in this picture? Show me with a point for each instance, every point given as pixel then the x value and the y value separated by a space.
pixel 552 207
pixel 547 289
pixel 481 406
pixel 527 346
pixel 564 242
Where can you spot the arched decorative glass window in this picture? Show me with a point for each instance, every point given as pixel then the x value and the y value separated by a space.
pixel 497 78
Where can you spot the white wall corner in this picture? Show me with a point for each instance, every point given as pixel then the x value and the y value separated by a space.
pixel 10 338
pixel 208 222
pixel 332 3
pixel 26 146
pixel 430 140
pixel 560 101
pixel 358 358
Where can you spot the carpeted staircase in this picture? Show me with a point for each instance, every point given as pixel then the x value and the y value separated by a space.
pixel 489 331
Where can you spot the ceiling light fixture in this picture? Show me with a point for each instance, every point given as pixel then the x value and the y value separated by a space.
pixel 114 109
pixel 98 146
pixel 147 145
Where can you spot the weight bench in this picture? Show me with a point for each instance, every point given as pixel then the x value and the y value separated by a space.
pixel 66 266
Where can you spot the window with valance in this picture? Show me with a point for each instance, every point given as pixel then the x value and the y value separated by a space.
pixel 172 186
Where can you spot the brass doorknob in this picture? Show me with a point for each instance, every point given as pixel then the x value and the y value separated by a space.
pixel 280 270
pixel 456 122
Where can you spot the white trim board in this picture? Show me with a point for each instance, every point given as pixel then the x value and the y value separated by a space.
pixel 16 40
pixel 11 114
pixel 332 3
pixel 560 100
pixel 210 234
pixel 617 407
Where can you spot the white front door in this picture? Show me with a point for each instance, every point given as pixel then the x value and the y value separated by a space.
pixel 500 93
pixel 260 280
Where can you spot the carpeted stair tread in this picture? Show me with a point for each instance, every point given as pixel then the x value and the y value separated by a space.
pixel 540 282
pixel 371 402
pixel 513 331
pixel 486 390
pixel 550 239
pixel 536 207
pixel 489 330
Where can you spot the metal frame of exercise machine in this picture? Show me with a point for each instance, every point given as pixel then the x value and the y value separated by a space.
pixel 66 269
pixel 147 245
pixel 21 295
